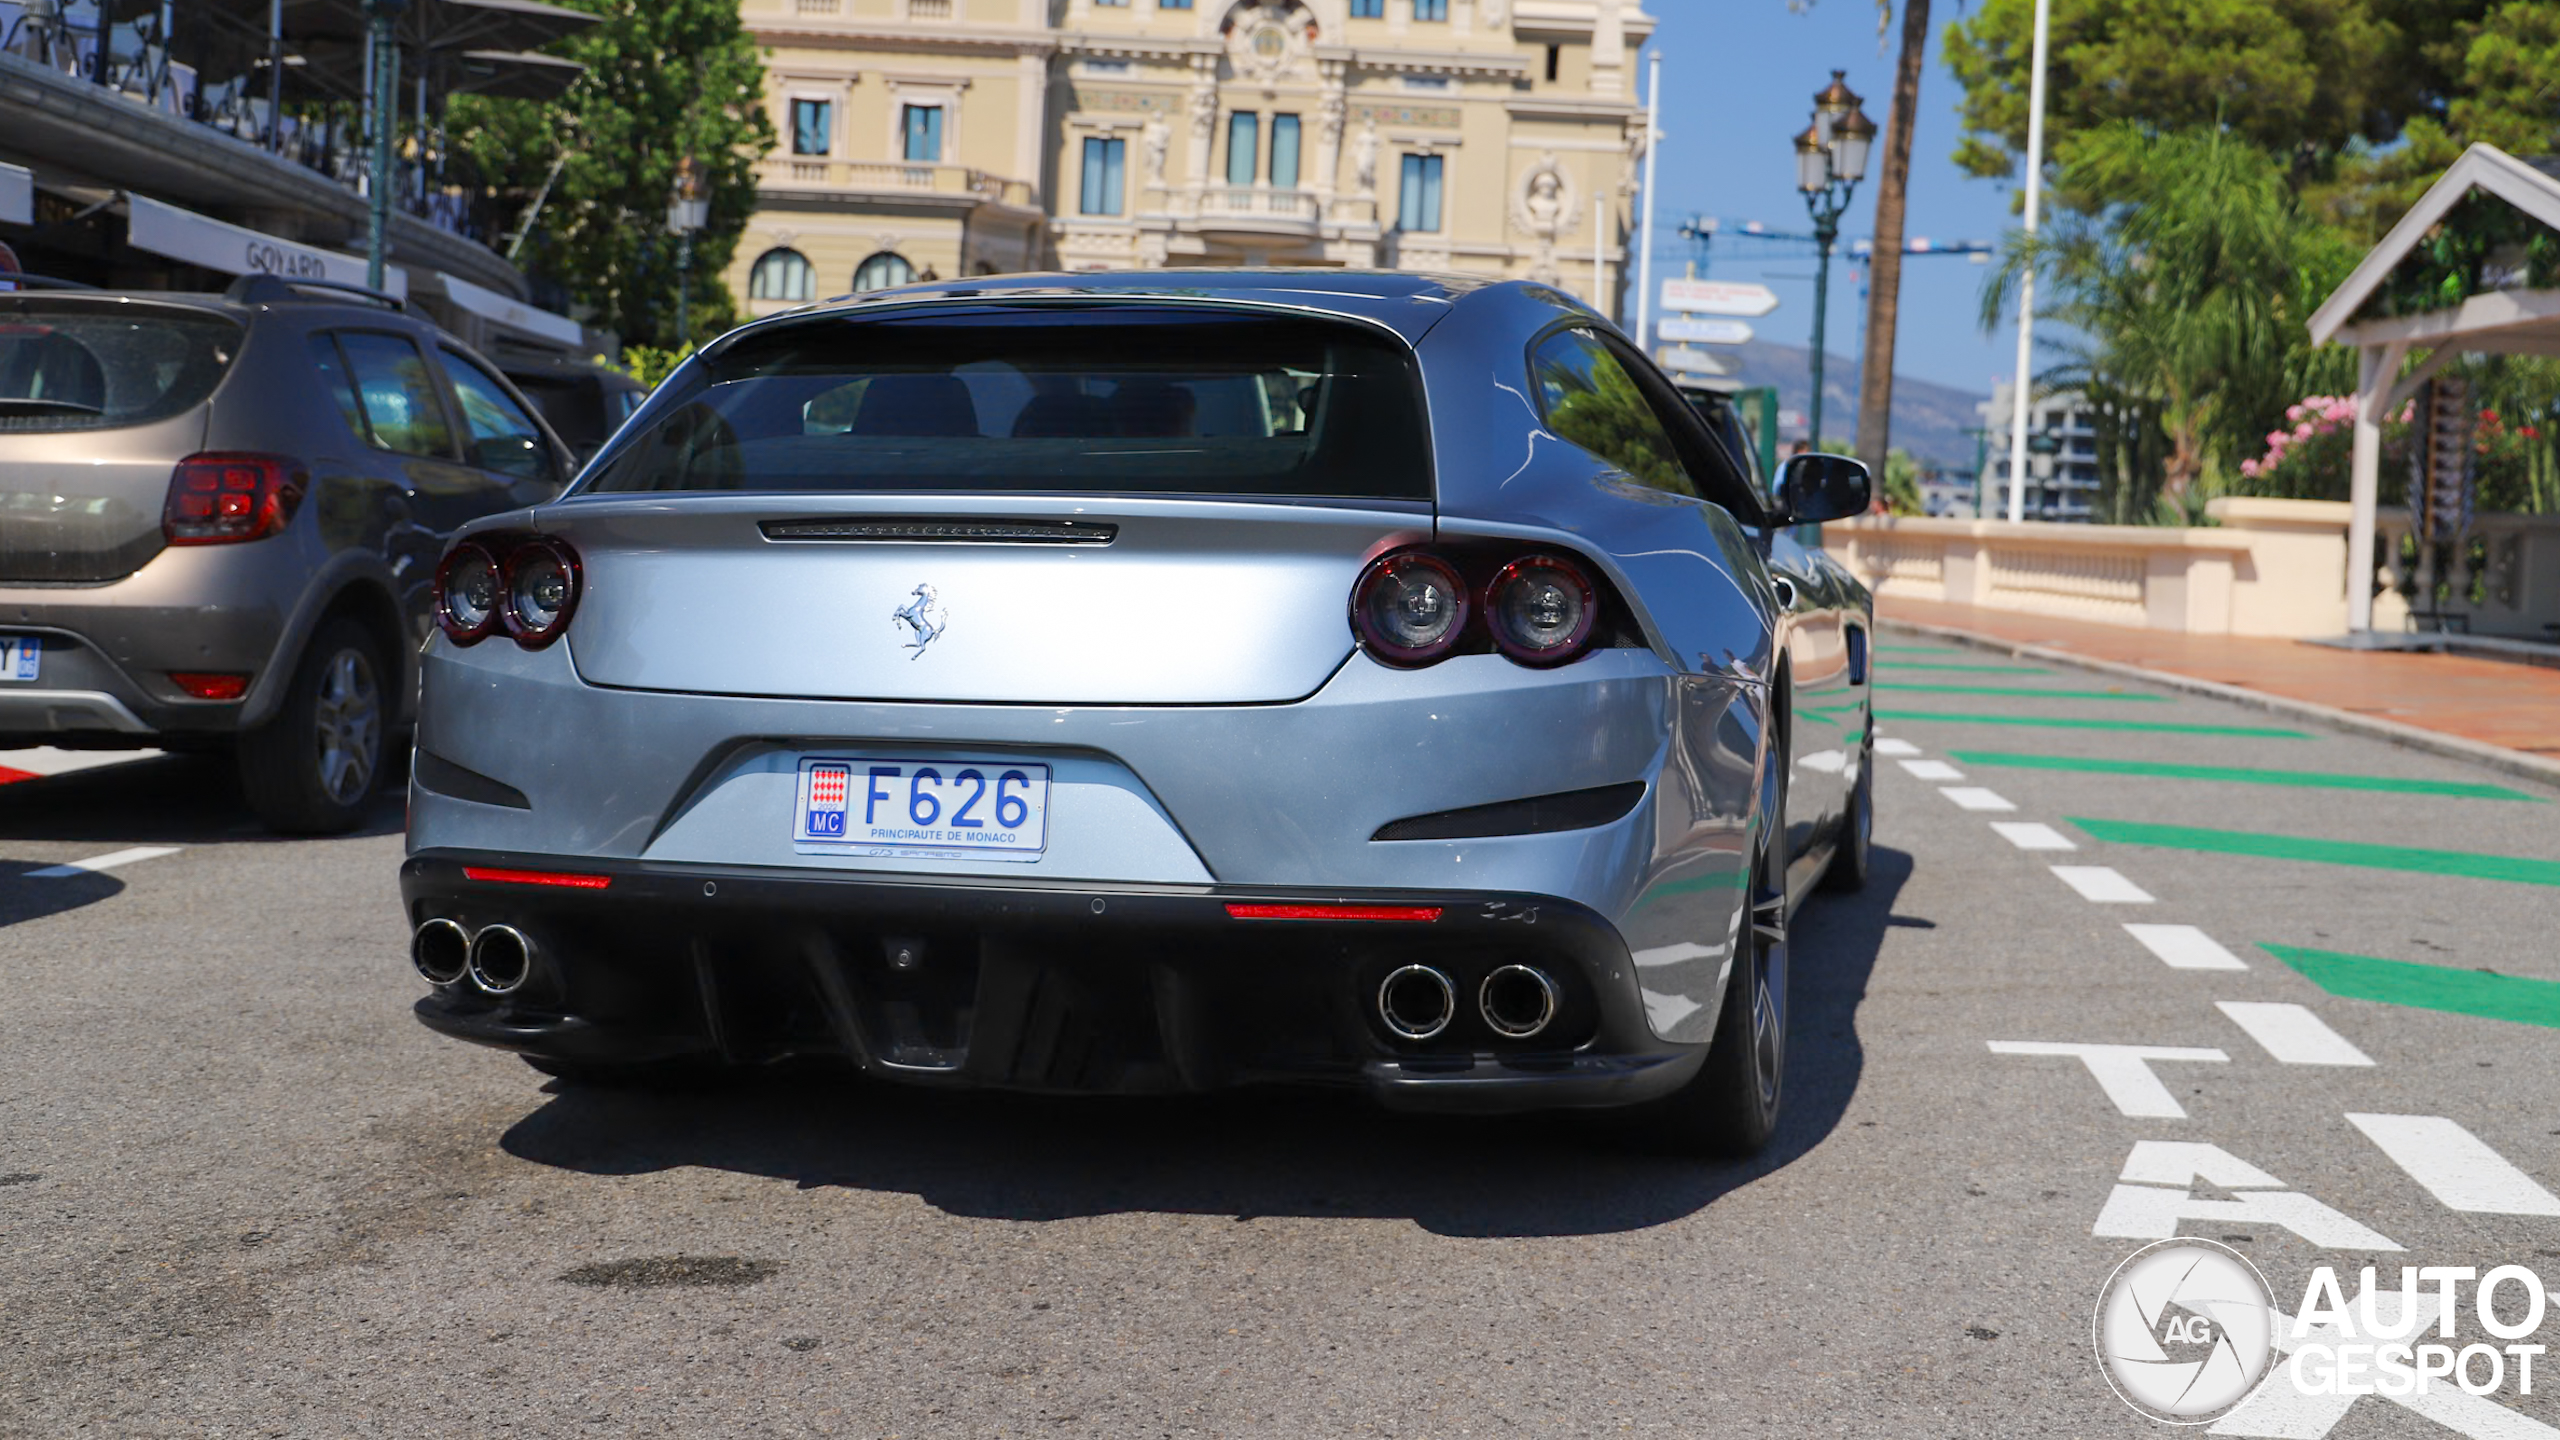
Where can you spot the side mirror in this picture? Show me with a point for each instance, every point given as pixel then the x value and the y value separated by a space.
pixel 1815 488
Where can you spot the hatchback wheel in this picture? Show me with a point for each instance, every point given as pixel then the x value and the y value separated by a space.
pixel 1730 1107
pixel 311 768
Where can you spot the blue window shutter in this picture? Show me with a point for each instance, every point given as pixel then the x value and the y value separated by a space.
pixel 1113 152
pixel 1244 140
pixel 1430 9
pixel 1284 152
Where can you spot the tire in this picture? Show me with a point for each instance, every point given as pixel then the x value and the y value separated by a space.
pixel 1849 858
pixel 1730 1107
pixel 312 767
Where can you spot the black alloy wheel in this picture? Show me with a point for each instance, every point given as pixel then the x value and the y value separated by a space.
pixel 1730 1107
pixel 310 769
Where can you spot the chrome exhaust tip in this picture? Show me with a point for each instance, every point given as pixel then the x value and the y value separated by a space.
pixel 441 951
pixel 1417 1002
pixel 1517 1001
pixel 501 959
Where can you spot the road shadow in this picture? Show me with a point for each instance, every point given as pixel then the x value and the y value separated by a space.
pixel 167 800
pixel 1247 1154
pixel 22 900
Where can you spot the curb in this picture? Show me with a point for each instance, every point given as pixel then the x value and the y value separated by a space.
pixel 2478 752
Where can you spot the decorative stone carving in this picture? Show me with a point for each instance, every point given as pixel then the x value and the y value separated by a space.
pixel 1364 160
pixel 1153 140
pixel 1545 207
pixel 1267 39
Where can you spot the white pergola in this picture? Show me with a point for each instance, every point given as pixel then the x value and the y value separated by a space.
pixel 2518 322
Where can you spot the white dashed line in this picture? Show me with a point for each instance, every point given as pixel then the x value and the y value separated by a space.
pixel 1661 955
pixel 1931 770
pixel 108 861
pixel 1896 747
pixel 2099 883
pixel 2292 1034
pixel 2455 1166
pixel 2029 835
pixel 1974 797
pixel 2123 1071
pixel 2184 947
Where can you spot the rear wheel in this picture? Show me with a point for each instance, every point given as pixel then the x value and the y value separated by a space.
pixel 1857 829
pixel 1730 1107
pixel 313 765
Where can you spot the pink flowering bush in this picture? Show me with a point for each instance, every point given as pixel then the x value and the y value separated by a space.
pixel 2309 461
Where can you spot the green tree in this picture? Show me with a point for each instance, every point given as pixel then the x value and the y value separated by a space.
pixel 2189 293
pixel 2500 92
pixel 665 80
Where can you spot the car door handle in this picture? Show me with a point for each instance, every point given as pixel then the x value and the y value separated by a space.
pixel 1786 589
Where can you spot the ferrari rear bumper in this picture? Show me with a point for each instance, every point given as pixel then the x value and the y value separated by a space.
pixel 1037 985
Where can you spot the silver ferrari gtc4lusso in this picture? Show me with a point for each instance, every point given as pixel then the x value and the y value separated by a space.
pixel 1142 683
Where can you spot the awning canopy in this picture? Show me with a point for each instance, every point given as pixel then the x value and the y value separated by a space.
pixel 237 250
pixel 17 195
pixel 2396 302
pixel 329 35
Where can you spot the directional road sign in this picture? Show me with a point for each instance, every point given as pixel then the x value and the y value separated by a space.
pixel 1718 297
pixel 1705 332
pixel 1688 360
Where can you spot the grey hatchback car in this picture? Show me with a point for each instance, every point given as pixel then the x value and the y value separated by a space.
pixel 219 523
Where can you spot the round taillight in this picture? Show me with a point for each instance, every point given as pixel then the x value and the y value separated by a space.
pixel 1409 609
pixel 541 590
pixel 1541 610
pixel 467 592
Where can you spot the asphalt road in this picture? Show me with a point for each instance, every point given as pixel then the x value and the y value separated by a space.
pixel 243 1193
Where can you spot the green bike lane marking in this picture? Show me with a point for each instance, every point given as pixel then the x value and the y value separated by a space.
pixel 2426 987
pixel 2019 692
pixel 1917 650
pixel 2318 779
pixel 2518 869
pixel 2166 727
pixel 1901 665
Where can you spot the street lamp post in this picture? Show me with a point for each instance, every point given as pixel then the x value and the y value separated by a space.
pixel 685 215
pixel 1831 158
pixel 382 18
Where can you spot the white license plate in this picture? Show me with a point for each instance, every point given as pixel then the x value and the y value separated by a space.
pixel 20 657
pixel 870 805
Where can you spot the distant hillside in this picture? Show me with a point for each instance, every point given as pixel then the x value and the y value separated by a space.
pixel 1929 419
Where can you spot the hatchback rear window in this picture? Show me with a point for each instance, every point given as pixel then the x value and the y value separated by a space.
pixel 1010 398
pixel 65 367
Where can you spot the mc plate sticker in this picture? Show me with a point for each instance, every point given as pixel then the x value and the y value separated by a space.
pixel 868 805
pixel 21 656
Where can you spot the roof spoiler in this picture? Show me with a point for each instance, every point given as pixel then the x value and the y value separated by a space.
pixel 265 289
pixel 42 282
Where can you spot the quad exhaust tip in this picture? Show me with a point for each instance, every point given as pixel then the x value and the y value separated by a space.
pixel 501 959
pixel 1417 1002
pixel 441 951
pixel 1517 1001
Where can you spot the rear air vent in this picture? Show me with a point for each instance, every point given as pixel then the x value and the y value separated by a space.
pixel 1537 815
pixel 945 532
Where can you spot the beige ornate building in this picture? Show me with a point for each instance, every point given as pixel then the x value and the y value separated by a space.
pixel 943 138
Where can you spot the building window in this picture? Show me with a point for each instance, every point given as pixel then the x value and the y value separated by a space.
pixel 813 127
pixel 781 274
pixel 1284 152
pixel 1102 167
pixel 1418 199
pixel 920 133
pixel 1173 4
pixel 882 271
pixel 1555 60
pixel 1430 9
pixel 1368 9
pixel 1111 4
pixel 1244 140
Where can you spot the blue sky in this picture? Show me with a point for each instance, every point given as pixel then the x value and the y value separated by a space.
pixel 1738 84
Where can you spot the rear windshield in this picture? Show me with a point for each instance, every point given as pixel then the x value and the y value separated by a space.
pixel 1158 401
pixel 84 368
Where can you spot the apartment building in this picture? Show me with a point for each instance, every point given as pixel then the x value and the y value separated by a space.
pixel 2062 455
pixel 927 139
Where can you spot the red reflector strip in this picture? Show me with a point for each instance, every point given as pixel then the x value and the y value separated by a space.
pixel 205 685
pixel 1424 913
pixel 537 877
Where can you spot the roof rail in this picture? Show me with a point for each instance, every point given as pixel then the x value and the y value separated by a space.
pixel 42 282
pixel 265 289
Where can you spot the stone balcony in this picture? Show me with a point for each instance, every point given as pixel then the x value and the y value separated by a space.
pixel 811 176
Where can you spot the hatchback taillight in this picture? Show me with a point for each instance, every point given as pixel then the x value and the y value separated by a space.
pixel 223 497
pixel 525 585
pixel 1416 607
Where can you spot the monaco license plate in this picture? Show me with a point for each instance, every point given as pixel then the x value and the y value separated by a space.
pixel 21 656
pixel 866 805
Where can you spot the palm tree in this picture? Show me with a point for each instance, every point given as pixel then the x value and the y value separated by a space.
pixel 2185 270
pixel 1884 277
